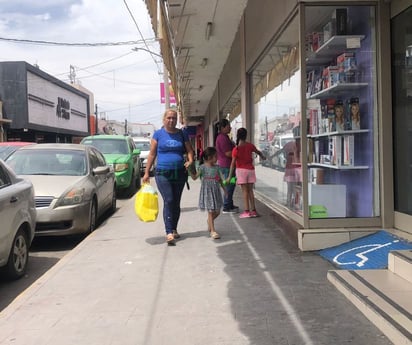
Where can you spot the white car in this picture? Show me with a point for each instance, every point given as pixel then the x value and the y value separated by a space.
pixel 18 221
pixel 143 144
pixel 277 157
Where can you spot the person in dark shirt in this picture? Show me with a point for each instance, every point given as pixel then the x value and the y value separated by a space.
pixel 224 147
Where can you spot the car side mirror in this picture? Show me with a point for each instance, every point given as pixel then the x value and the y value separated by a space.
pixel 136 151
pixel 101 170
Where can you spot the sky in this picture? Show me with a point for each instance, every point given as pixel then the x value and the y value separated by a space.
pixel 125 82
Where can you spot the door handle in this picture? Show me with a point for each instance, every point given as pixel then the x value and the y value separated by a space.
pixel 13 199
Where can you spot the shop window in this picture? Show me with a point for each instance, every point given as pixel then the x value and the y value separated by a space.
pixel 276 113
pixel 341 112
pixel 333 136
pixel 401 29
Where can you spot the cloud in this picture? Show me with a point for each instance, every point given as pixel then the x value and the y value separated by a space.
pixel 119 77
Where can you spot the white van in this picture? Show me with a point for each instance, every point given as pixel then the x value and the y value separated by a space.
pixel 143 144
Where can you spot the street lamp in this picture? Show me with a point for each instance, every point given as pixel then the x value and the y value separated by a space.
pixel 147 50
pixel 165 75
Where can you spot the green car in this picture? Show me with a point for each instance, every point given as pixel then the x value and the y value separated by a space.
pixel 120 151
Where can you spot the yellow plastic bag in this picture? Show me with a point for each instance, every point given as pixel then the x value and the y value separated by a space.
pixel 146 203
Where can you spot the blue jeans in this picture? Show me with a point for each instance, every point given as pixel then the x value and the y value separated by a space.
pixel 170 184
pixel 228 200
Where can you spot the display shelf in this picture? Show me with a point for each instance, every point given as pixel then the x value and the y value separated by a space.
pixel 332 47
pixel 338 167
pixel 331 134
pixel 337 88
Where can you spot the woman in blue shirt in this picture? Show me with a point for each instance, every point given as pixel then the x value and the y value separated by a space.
pixel 170 145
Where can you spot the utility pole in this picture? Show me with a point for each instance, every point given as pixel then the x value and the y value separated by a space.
pixel 72 75
pixel 96 113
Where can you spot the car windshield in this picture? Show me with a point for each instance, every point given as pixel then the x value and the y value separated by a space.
pixel 6 151
pixel 108 146
pixel 142 146
pixel 48 162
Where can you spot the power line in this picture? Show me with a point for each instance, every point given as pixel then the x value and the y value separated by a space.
pixel 98 44
pixel 97 64
pixel 130 106
pixel 100 75
pixel 141 35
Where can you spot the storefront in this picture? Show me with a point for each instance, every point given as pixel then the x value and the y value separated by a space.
pixel 39 107
pixel 316 99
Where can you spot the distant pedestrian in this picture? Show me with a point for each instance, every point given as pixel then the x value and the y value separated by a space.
pixel 242 159
pixel 169 146
pixel 210 197
pixel 224 146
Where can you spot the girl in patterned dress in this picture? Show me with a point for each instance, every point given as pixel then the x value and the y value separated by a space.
pixel 210 197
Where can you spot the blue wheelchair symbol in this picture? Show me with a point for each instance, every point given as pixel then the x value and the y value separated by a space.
pixel 361 257
pixel 369 252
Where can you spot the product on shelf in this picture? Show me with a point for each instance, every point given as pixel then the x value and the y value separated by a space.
pixel 354 112
pixel 339 116
pixel 340 21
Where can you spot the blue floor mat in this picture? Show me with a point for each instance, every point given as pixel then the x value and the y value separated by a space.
pixel 370 252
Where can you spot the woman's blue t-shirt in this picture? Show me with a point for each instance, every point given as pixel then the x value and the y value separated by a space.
pixel 170 149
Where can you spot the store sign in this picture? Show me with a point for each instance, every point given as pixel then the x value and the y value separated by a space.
pixel 63 108
pixel 54 106
pixel 172 98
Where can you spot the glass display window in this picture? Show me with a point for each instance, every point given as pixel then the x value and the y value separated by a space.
pixel 324 71
pixel 402 92
pixel 275 96
pixel 341 112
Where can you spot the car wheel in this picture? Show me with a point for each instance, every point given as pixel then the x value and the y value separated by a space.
pixel 134 185
pixel 93 216
pixel 114 201
pixel 138 183
pixel 19 256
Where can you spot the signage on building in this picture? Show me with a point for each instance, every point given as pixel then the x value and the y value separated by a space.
pixel 63 108
pixel 172 98
pixel 54 106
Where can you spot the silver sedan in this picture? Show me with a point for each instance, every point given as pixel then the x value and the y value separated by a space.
pixel 18 219
pixel 73 186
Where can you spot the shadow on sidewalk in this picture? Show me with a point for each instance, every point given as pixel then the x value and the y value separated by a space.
pixel 280 295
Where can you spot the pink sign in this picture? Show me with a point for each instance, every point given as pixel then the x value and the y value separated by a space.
pixel 172 98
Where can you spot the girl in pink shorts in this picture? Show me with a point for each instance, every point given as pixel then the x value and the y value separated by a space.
pixel 242 159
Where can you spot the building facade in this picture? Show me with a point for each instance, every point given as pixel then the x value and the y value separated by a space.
pixel 339 72
pixel 38 107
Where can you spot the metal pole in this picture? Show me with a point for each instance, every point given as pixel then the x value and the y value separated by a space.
pixel 97 125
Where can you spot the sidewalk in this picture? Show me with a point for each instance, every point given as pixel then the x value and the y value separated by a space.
pixel 124 286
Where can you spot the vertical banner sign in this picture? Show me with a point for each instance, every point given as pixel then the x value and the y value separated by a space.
pixel 171 94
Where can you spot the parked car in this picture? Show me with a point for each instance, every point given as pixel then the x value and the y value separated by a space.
pixel 73 186
pixel 18 221
pixel 120 151
pixel 143 144
pixel 277 156
pixel 8 147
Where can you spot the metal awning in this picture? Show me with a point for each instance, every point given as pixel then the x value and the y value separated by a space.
pixel 195 39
